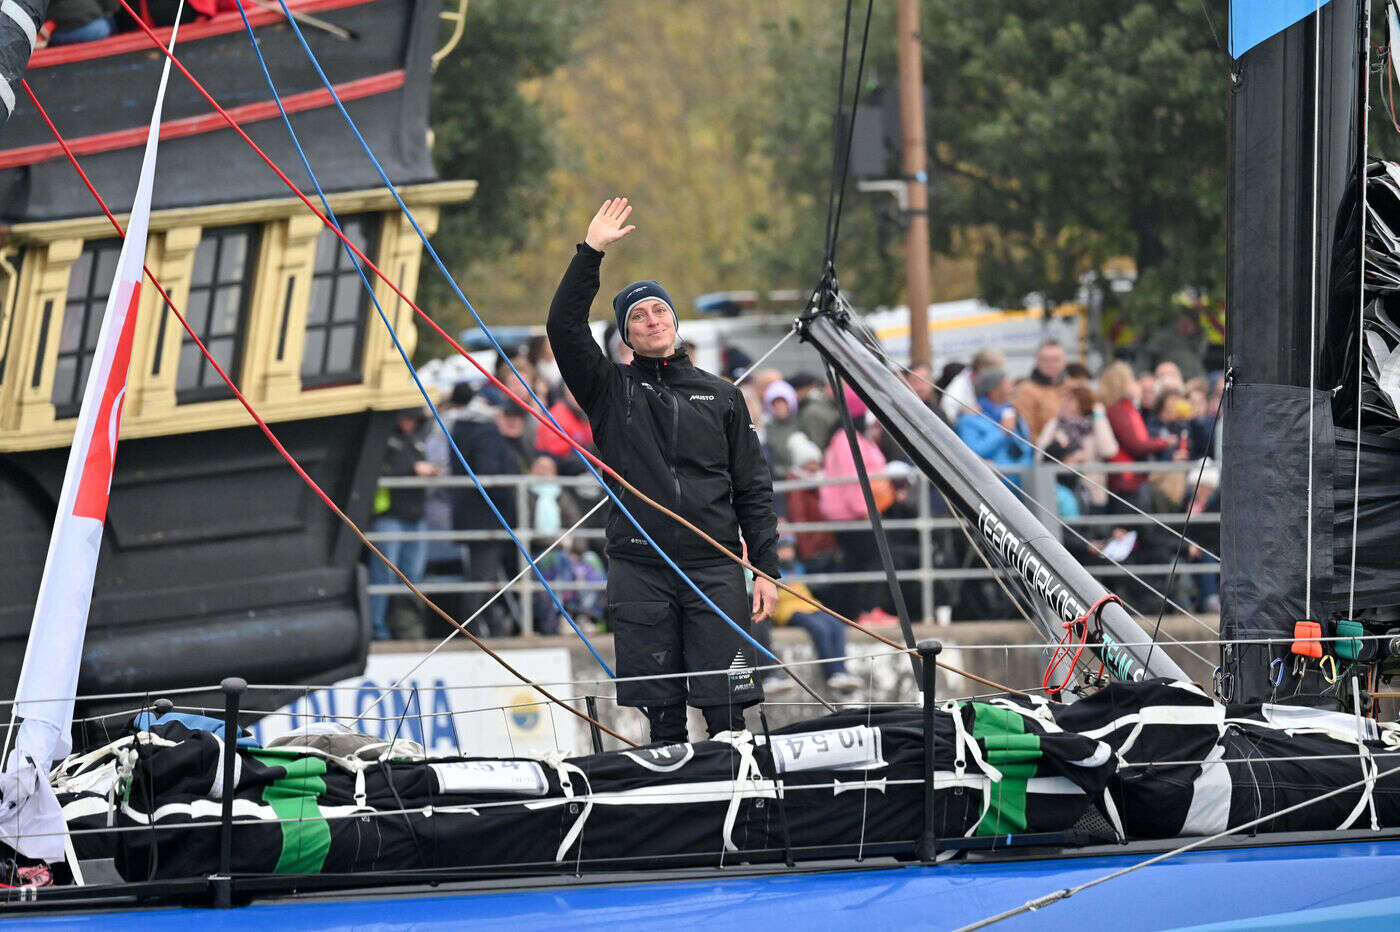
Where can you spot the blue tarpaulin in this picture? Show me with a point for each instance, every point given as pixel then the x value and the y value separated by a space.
pixel 1253 21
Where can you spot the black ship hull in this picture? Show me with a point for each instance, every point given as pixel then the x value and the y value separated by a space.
pixel 216 560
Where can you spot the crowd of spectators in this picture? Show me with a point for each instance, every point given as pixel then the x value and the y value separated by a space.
pixel 1061 413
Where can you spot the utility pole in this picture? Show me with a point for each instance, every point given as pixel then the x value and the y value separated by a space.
pixel 911 116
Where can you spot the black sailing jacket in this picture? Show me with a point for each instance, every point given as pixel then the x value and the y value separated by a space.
pixel 678 433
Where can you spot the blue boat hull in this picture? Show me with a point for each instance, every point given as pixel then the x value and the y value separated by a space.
pixel 1292 886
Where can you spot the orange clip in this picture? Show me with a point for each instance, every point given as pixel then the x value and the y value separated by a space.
pixel 1305 635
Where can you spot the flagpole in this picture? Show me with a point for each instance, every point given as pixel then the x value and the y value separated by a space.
pixel 65 591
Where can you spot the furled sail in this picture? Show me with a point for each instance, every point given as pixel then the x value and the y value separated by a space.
pixel 1297 152
pixel 1062 588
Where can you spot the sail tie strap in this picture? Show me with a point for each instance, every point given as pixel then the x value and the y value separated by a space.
pixel 1067 649
pixel 748 781
pixel 556 760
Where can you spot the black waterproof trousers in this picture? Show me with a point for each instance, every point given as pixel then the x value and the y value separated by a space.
pixel 660 625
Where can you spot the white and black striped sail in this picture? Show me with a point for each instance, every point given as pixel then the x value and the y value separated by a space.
pixel 19 29
pixel 1062 589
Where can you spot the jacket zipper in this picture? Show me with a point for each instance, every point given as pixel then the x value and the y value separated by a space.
pixel 675 442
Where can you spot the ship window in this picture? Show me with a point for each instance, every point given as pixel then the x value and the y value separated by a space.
pixel 335 320
pixel 89 282
pixel 219 287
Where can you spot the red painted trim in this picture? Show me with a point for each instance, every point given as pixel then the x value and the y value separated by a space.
pixel 205 122
pixel 137 41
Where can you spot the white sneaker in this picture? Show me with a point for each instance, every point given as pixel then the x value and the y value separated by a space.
pixel 844 682
pixel 778 684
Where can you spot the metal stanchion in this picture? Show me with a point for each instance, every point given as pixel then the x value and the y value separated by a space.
pixel 222 882
pixel 592 704
pixel 928 655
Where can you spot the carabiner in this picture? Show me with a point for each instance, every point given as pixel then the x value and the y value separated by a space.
pixel 1276 672
pixel 1323 664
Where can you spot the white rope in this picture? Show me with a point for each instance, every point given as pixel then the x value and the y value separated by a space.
pixel 1123 566
pixel 1128 570
pixel 1312 303
pixel 1360 366
pixel 970 409
pixel 1361 302
pixel 1052 898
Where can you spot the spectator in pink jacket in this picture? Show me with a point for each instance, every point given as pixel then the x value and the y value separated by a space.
pixel 846 502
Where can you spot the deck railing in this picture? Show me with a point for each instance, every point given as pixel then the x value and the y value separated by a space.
pixel 945 562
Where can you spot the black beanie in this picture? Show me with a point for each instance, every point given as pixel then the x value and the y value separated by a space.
pixel 628 297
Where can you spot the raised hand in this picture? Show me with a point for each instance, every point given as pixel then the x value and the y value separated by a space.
pixel 607 225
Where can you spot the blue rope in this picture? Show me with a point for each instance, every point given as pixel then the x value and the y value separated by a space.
pixel 487 331
pixel 399 346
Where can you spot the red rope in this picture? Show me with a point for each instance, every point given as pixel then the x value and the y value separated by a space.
pixel 490 377
pixel 247 406
pixel 1066 649
pixel 291 460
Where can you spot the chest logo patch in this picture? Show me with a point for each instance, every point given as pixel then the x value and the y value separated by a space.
pixel 702 397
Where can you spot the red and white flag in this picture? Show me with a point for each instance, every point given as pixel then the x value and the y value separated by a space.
pixel 30 819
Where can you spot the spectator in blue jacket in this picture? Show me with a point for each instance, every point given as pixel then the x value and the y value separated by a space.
pixel 997 434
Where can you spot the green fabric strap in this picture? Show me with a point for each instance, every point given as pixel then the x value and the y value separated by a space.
pixel 1013 752
pixel 306 837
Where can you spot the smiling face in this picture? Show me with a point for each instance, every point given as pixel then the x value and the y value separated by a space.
pixel 651 328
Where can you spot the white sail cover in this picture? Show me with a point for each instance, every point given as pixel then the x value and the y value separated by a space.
pixel 30 820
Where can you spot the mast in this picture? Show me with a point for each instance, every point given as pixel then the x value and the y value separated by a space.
pixel 1296 127
pixel 1061 589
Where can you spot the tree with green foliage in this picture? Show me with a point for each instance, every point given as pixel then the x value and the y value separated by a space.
pixel 1060 135
pixel 791 115
pixel 488 127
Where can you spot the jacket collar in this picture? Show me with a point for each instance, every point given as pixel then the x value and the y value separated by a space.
pixel 653 367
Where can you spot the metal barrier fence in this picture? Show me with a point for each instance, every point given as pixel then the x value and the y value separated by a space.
pixel 937 531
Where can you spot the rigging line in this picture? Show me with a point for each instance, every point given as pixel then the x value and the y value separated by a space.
pixel 315 22
pixel 529 409
pixel 552 423
pixel 555 543
pixel 1186 521
pixel 997 574
pixel 1210 21
pixel 1360 312
pixel 882 543
pixel 1127 569
pixel 1083 477
pixel 835 135
pixel 1312 304
pixel 1027 496
pixel 1067 526
pixel 403 354
pixel 850 136
pixel 1066 893
pixel 282 450
pixel 150 150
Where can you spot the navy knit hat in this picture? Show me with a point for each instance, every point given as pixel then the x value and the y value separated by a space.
pixel 628 297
